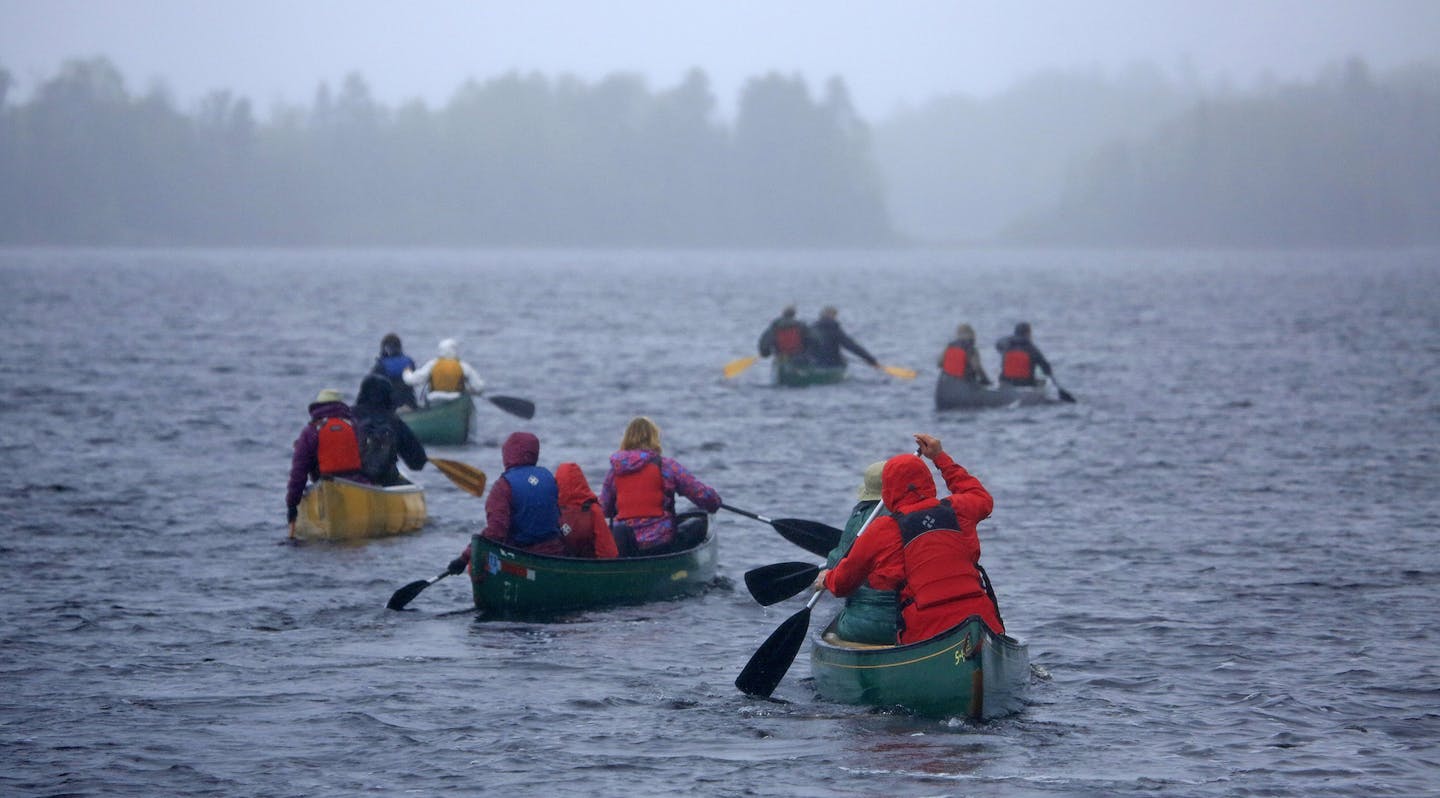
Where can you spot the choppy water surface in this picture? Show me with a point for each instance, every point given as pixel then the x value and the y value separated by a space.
pixel 1224 556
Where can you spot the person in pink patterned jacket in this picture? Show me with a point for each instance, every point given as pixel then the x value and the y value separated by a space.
pixel 639 493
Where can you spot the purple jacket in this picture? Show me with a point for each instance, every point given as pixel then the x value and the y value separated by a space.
pixel 658 531
pixel 305 462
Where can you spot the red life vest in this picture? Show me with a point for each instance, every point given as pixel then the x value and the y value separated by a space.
pixel 640 494
pixel 1017 365
pixel 940 563
pixel 337 446
pixel 789 339
pixel 955 361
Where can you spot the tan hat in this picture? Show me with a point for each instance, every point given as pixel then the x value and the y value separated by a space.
pixel 870 488
pixel 329 395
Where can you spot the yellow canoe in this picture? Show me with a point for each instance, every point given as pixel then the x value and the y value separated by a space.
pixel 338 509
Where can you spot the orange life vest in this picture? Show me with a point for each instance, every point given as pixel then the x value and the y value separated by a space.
pixel 790 339
pixel 955 361
pixel 446 375
pixel 1017 365
pixel 338 446
pixel 640 494
pixel 577 524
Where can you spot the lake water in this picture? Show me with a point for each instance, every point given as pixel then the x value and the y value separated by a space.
pixel 1223 557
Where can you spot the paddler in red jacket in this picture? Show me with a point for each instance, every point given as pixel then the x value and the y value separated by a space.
pixel 926 548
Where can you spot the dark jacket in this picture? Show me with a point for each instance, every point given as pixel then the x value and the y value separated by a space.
pixel 305 461
pixel 767 346
pixel 391 367
pixel 1024 344
pixel 375 413
pixel 826 341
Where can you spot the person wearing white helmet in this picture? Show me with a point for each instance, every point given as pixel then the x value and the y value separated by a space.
pixel 445 376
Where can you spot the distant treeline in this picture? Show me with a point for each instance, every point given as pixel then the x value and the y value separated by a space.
pixel 1142 158
pixel 1063 158
pixel 520 160
pixel 1348 160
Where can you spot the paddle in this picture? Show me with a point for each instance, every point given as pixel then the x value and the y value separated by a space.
pixel 734 367
pixel 407 594
pixel 812 536
pixel 468 478
pixel 771 584
pixel 900 372
pixel 1064 394
pixel 768 664
pixel 515 406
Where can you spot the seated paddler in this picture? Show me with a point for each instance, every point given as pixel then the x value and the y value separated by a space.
pixel 523 508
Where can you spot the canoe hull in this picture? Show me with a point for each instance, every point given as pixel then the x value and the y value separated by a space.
pixel 442 423
pixel 968 671
pixel 512 582
pixel 792 374
pixel 338 509
pixel 953 394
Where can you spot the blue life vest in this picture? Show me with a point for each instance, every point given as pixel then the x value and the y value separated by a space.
pixel 395 365
pixel 534 504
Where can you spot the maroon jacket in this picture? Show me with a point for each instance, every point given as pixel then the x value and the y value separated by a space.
pixel 305 461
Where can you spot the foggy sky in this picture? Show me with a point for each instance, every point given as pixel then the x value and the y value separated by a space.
pixel 889 53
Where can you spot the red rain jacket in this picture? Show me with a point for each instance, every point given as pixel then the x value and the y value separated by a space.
pixel 581 520
pixel 938 582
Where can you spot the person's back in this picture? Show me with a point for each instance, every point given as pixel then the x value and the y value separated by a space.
pixel 393 364
pixel 961 360
pixel 1019 358
pixel 327 446
pixel 581 521
pixel 639 492
pixel 446 376
pixel 384 438
pixel 827 339
pixel 786 337
pixel 523 509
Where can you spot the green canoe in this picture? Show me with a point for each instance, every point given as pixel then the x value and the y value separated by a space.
pixel 968 671
pixel 510 581
pixel 442 423
pixel 953 394
pixel 793 374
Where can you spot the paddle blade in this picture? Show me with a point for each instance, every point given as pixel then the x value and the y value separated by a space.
pixel 734 367
pixel 1064 394
pixel 407 594
pixel 524 408
pixel 771 584
pixel 900 372
pixel 812 536
pixel 467 477
pixel 770 662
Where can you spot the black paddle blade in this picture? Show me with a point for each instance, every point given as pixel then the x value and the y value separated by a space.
pixel 1065 395
pixel 523 408
pixel 770 662
pixel 812 536
pixel 407 594
pixel 771 584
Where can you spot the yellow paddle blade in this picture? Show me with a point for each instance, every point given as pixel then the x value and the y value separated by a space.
pixel 900 371
pixel 467 477
pixel 734 367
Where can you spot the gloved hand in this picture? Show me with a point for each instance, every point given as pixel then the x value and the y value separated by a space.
pixel 457 566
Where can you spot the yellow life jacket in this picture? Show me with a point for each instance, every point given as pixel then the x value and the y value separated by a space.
pixel 447 376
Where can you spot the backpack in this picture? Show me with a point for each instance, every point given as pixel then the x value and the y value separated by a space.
pixel 377 449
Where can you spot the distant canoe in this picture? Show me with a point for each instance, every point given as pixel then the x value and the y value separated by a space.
pixel 510 581
pixel 953 394
pixel 442 423
pixel 338 509
pixel 968 671
pixel 795 374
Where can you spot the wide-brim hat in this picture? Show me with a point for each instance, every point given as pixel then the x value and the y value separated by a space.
pixel 870 489
pixel 328 395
